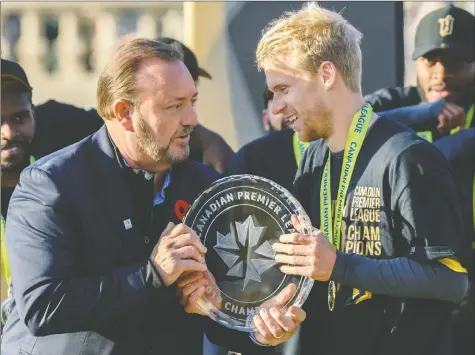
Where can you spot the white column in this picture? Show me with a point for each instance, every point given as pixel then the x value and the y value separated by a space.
pixel 104 41
pixel 172 24
pixel 69 45
pixel 147 25
pixel 31 44
pixel 5 48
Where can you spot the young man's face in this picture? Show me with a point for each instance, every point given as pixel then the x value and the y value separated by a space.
pixel 440 74
pixel 17 130
pixel 300 101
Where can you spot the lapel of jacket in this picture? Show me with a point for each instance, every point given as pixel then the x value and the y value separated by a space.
pixel 111 190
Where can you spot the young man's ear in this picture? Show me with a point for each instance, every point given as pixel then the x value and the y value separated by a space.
pixel 328 74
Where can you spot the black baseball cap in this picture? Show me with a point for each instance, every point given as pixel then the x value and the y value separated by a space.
pixel 13 71
pixel 189 58
pixel 450 28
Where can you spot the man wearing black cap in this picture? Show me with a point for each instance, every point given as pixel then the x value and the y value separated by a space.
pixel 17 130
pixel 189 59
pixel 444 55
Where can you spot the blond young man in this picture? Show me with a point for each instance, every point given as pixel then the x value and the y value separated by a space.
pixel 383 202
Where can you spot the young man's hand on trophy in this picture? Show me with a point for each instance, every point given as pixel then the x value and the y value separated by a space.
pixel 274 323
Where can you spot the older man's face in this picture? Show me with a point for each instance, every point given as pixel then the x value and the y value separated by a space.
pixel 166 114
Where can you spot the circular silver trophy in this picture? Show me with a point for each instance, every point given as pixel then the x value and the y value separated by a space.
pixel 238 219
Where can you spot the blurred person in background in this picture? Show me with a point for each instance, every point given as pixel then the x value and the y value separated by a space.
pixel 444 54
pixel 17 133
pixel 275 156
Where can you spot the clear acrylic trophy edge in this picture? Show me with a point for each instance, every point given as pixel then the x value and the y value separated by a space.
pixel 298 300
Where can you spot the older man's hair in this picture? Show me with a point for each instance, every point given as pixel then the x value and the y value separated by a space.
pixel 309 37
pixel 119 78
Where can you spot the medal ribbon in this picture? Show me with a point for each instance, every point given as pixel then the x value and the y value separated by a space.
pixel 299 147
pixel 356 135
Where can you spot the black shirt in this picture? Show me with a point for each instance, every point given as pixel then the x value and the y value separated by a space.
pixel 6 195
pixel 271 157
pixel 152 219
pixel 402 201
pixel 59 125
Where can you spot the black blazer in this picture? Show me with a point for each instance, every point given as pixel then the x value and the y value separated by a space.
pixel 82 281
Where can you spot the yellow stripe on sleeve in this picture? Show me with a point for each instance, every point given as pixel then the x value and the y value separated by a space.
pixel 453 264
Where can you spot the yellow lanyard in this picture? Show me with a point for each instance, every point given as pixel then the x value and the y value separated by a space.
pixel 354 142
pixel 299 147
pixel 468 120
pixel 5 266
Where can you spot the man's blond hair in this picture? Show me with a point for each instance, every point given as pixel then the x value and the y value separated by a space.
pixel 310 36
pixel 118 80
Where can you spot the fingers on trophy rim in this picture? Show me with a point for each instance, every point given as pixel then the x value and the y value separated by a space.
pixel 272 324
pixel 285 321
pixel 298 314
pixel 261 327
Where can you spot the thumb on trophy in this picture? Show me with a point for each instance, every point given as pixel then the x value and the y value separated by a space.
pixel 282 298
pixel 285 295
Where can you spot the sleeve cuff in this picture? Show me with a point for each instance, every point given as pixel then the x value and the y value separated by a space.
pixel 436 107
pixel 152 277
pixel 339 269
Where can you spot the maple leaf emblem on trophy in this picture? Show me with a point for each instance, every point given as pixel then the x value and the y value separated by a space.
pixel 243 253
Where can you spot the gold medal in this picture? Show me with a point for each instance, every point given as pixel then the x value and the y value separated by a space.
pixel 331 295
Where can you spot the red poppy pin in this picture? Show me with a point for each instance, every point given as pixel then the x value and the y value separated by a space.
pixel 181 207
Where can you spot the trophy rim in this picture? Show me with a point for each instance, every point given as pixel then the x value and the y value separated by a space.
pixel 304 285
